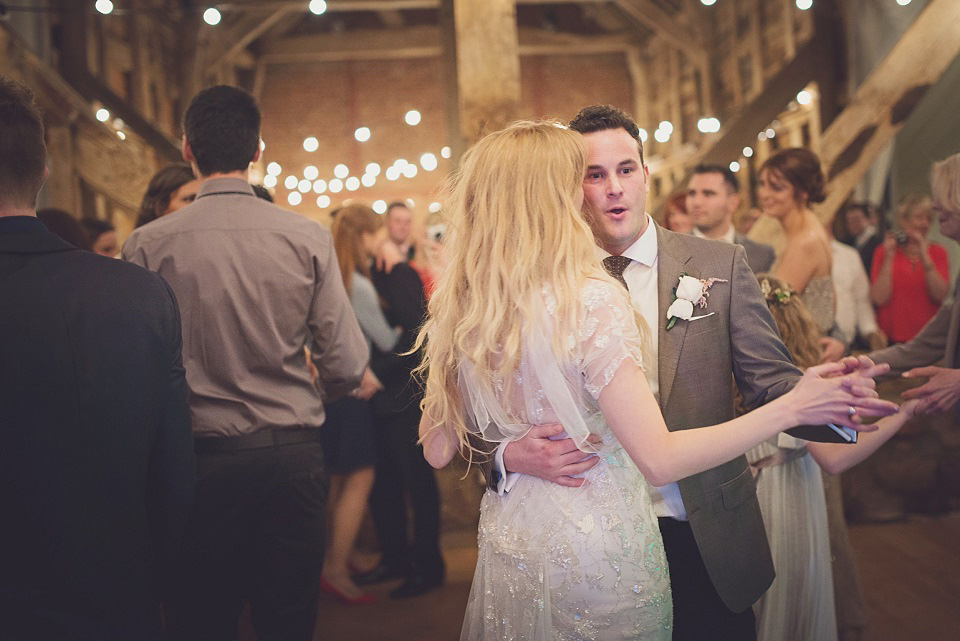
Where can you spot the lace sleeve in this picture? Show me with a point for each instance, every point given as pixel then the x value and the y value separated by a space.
pixel 607 335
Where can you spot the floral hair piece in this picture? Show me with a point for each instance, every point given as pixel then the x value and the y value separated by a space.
pixel 781 295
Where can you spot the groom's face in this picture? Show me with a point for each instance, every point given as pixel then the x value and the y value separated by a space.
pixel 615 189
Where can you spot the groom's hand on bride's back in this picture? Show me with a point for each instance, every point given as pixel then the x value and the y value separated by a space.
pixel 558 460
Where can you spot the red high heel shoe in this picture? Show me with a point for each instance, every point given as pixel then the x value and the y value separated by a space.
pixel 363 599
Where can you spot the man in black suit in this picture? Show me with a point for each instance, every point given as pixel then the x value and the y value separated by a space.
pixel 96 453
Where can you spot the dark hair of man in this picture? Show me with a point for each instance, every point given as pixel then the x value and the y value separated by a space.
pixel 728 176
pixel 162 186
pixel 222 126
pixel 65 226
pixel 95 228
pixel 801 168
pixel 394 205
pixel 262 193
pixel 23 153
pixel 603 117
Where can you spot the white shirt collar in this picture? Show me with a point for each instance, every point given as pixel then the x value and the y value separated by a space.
pixel 729 236
pixel 865 235
pixel 643 250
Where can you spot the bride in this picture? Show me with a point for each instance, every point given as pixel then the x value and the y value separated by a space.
pixel 525 327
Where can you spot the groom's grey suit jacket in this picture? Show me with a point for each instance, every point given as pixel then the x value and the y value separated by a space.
pixel 760 257
pixel 695 361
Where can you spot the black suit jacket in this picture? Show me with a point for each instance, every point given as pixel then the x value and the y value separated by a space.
pixel 405 305
pixel 96 452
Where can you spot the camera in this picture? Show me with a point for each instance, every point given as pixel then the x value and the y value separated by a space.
pixel 901 238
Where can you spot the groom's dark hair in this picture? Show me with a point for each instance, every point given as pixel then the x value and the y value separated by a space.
pixel 603 117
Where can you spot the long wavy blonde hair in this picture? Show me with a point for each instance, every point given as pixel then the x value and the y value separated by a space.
pixel 515 228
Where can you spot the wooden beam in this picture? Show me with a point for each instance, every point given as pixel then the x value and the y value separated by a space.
pixel 886 99
pixel 638 70
pixel 488 65
pixel 245 32
pixel 741 130
pixel 142 73
pixel 76 72
pixel 377 5
pixel 451 88
pixel 649 14
pixel 422 42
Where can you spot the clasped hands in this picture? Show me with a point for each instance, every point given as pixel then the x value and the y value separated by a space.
pixel 940 393
pixel 543 454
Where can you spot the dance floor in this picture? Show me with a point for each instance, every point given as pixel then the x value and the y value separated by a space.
pixel 910 572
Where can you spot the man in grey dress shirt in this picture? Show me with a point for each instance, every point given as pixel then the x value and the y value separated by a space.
pixel 256 284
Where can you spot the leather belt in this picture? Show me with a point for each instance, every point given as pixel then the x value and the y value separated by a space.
pixel 255 441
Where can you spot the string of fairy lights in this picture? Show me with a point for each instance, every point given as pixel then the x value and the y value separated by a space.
pixel 309 183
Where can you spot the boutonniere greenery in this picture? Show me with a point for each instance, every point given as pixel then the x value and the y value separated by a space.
pixel 689 293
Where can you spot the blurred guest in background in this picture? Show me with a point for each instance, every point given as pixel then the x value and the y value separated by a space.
pixel 746 218
pixel 674 215
pixel 713 195
pixel 103 237
pixel 400 227
pixel 857 225
pixel 348 441
pixel 171 188
pixel 790 181
pixel 909 274
pixel 65 226
pixel 855 317
pixel 937 342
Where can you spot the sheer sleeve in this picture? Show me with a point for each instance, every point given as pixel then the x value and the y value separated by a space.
pixel 607 335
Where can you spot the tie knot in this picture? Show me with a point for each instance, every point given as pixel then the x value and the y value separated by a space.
pixel 615 265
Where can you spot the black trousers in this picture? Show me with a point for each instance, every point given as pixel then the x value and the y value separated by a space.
pixel 255 534
pixel 698 612
pixel 404 475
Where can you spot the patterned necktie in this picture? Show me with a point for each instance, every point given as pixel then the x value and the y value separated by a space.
pixel 615 266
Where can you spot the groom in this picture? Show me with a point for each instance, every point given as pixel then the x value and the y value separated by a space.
pixel 712 529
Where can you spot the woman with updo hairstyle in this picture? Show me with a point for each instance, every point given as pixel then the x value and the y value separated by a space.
pixel 170 189
pixel 790 182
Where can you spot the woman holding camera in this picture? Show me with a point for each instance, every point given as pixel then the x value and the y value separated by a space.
pixel 909 277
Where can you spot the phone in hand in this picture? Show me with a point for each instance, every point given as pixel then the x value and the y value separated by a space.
pixel 848 434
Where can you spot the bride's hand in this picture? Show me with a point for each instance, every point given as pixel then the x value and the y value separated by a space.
pixel 832 393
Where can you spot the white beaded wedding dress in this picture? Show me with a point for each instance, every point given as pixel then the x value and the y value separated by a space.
pixel 558 563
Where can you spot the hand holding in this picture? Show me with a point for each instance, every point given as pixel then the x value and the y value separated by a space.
pixel 557 461
pixel 920 239
pixel 862 365
pixel 889 245
pixel 830 393
pixel 940 393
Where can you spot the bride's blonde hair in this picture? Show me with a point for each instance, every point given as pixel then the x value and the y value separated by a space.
pixel 515 229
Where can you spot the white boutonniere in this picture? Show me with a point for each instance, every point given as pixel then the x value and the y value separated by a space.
pixel 690 292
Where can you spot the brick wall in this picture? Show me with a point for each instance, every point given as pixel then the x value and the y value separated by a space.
pixel 330 100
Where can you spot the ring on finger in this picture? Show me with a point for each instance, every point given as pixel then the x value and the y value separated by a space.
pixel 851 411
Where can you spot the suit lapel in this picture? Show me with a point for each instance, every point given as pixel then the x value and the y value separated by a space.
pixel 672 257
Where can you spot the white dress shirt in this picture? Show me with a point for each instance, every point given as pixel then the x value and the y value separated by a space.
pixel 729 236
pixel 641 278
pixel 854 312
